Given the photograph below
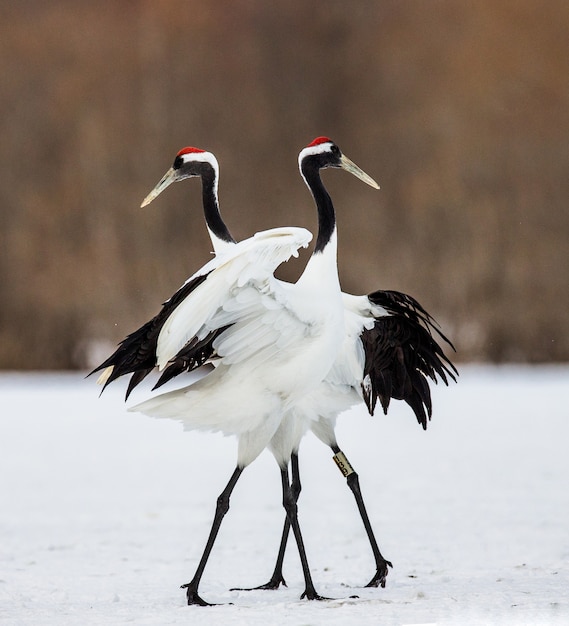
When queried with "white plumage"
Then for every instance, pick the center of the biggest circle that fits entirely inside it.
(240, 285)
(279, 342)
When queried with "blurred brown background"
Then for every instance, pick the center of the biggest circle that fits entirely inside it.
(459, 109)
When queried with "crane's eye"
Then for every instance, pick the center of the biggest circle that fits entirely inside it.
(335, 150)
(178, 162)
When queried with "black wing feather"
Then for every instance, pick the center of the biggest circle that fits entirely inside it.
(136, 353)
(190, 357)
(401, 354)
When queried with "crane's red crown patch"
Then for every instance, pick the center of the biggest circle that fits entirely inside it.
(189, 150)
(318, 141)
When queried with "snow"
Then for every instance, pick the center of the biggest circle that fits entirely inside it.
(105, 513)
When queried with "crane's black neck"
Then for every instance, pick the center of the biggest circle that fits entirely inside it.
(326, 214)
(212, 214)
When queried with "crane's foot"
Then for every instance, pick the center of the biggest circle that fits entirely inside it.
(193, 597)
(310, 594)
(379, 577)
(272, 585)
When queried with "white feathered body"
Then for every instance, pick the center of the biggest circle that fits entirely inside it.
(280, 342)
(342, 387)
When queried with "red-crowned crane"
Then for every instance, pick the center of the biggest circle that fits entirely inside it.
(273, 342)
(389, 351)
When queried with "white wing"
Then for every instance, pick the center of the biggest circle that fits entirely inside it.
(240, 287)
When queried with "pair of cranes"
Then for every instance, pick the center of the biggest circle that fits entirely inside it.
(288, 358)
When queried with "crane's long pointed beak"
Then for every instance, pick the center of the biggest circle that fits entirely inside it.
(351, 167)
(166, 180)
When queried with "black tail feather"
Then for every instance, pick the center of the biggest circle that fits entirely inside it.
(402, 354)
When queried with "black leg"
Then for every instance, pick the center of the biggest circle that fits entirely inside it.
(291, 493)
(295, 485)
(220, 511)
(352, 479)
(289, 503)
(277, 578)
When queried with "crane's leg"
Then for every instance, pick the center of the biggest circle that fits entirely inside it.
(381, 564)
(220, 511)
(277, 578)
(352, 479)
(289, 503)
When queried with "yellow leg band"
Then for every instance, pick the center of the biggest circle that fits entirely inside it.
(343, 464)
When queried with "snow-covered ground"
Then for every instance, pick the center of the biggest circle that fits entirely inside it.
(104, 513)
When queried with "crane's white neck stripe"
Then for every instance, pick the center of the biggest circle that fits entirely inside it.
(204, 157)
(313, 150)
(201, 157)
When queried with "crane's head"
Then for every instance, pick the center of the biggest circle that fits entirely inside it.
(323, 152)
(189, 162)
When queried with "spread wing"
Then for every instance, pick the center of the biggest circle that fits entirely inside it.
(240, 288)
(392, 350)
(181, 335)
